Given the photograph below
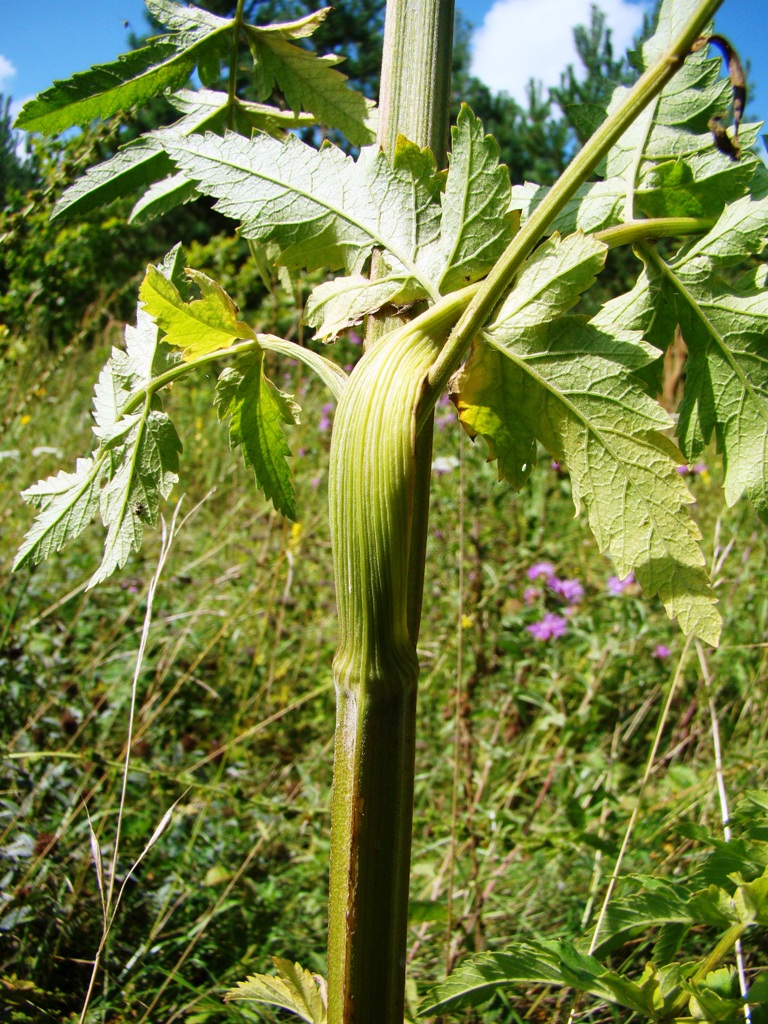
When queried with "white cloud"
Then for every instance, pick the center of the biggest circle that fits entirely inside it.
(7, 70)
(524, 39)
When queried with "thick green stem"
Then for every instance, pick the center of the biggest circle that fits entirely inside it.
(415, 101)
(372, 482)
(379, 502)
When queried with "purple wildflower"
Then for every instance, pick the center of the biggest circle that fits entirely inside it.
(538, 569)
(661, 651)
(327, 417)
(571, 591)
(548, 628)
(616, 587)
(531, 595)
(354, 339)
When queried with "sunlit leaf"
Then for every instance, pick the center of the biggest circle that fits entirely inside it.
(165, 63)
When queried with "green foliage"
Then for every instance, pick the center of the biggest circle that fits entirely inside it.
(197, 39)
(135, 466)
(663, 991)
(561, 385)
(256, 409)
(443, 249)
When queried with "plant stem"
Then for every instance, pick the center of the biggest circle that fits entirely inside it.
(372, 483)
(379, 500)
(232, 85)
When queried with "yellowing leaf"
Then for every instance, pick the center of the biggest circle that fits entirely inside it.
(200, 326)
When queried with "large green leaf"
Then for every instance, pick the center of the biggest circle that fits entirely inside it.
(546, 963)
(165, 63)
(570, 386)
(323, 209)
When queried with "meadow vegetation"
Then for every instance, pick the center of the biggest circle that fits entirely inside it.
(235, 719)
(571, 741)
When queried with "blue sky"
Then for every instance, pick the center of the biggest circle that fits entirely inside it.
(48, 39)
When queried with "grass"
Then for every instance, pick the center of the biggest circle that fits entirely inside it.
(530, 752)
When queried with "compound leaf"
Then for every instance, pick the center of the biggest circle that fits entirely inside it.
(135, 465)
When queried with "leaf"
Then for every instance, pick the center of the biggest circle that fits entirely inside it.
(322, 208)
(295, 990)
(143, 161)
(475, 226)
(145, 469)
(335, 306)
(547, 963)
(200, 326)
(126, 371)
(666, 163)
(550, 283)
(307, 81)
(136, 464)
(256, 410)
(570, 386)
(478, 977)
(67, 503)
(162, 197)
(165, 63)
(725, 329)
(136, 164)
